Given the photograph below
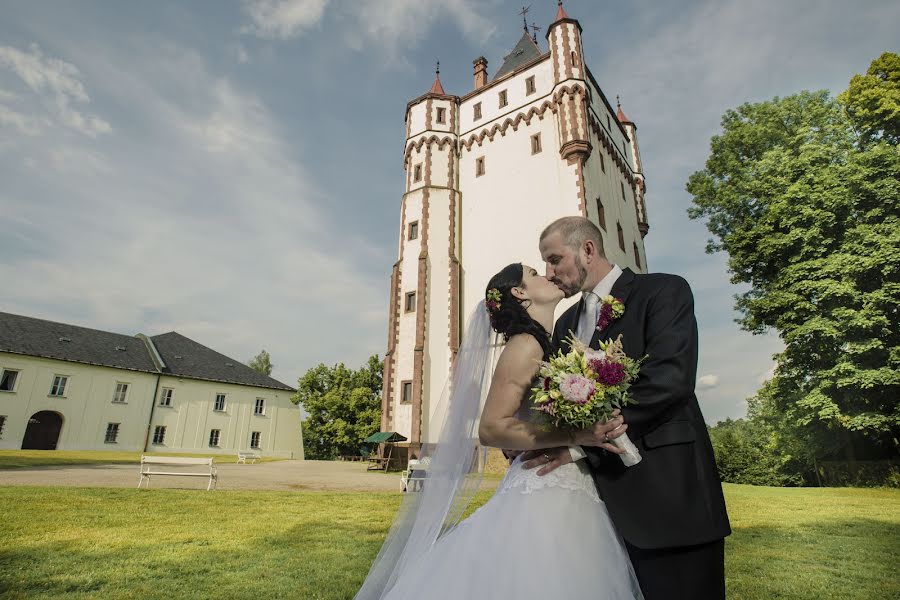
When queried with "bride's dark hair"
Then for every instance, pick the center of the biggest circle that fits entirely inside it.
(508, 316)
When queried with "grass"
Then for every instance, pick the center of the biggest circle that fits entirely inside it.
(26, 459)
(81, 543)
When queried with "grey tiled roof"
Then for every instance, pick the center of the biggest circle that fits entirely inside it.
(36, 337)
(525, 51)
(182, 356)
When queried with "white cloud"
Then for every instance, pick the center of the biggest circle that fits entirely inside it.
(401, 24)
(197, 217)
(58, 85)
(282, 19)
(391, 27)
(707, 382)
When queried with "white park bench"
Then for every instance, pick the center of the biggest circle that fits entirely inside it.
(413, 478)
(170, 466)
(245, 457)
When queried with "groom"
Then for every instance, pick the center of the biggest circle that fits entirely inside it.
(669, 507)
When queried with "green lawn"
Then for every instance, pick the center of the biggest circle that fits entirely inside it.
(25, 459)
(122, 543)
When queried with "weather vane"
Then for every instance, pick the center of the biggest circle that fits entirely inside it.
(535, 29)
(524, 12)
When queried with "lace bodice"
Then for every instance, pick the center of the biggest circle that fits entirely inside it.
(571, 476)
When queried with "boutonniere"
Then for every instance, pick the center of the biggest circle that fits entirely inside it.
(610, 310)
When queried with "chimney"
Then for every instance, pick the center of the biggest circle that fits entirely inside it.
(481, 77)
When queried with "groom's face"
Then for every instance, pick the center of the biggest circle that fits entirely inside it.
(563, 264)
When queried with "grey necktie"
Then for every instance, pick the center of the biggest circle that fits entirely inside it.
(587, 323)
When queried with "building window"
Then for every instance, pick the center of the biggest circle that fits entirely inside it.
(503, 99)
(59, 385)
(159, 435)
(601, 214)
(220, 402)
(637, 256)
(406, 392)
(573, 58)
(120, 393)
(214, 437)
(602, 162)
(254, 439)
(410, 301)
(413, 232)
(2, 424)
(112, 433)
(260, 408)
(621, 237)
(623, 191)
(529, 85)
(476, 111)
(441, 115)
(417, 173)
(536, 143)
(8, 380)
(479, 166)
(608, 123)
(165, 399)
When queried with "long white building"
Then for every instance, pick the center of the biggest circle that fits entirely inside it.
(485, 173)
(72, 388)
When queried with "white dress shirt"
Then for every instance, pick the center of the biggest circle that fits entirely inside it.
(587, 324)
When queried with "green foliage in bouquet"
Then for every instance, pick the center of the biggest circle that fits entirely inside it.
(579, 388)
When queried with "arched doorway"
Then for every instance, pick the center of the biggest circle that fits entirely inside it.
(43, 430)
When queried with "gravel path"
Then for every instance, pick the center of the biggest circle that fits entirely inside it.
(284, 475)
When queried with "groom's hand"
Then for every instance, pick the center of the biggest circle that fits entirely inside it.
(548, 459)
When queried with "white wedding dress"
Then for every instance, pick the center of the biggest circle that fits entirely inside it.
(537, 538)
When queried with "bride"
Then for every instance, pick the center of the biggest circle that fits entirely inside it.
(538, 537)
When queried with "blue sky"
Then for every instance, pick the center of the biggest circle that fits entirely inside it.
(233, 170)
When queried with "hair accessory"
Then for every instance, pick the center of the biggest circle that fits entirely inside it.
(492, 303)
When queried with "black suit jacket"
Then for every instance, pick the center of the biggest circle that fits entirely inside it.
(673, 497)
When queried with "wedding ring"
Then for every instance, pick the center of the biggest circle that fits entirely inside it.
(547, 456)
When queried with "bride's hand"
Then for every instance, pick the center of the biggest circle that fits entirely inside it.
(602, 432)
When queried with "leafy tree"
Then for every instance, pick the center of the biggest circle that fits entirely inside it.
(873, 100)
(808, 211)
(749, 452)
(262, 362)
(344, 408)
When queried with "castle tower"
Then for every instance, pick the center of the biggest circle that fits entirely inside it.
(485, 173)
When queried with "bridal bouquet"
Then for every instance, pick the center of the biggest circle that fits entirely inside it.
(584, 386)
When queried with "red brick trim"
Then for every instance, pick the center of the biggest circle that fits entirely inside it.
(422, 301)
(611, 149)
(428, 108)
(552, 38)
(578, 158)
(417, 145)
(567, 51)
(552, 105)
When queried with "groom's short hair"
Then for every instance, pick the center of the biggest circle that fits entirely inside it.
(575, 231)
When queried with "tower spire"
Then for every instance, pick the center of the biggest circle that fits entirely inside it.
(560, 11)
(436, 87)
(620, 114)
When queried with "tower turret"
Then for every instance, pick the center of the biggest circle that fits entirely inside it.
(426, 275)
(570, 90)
(640, 186)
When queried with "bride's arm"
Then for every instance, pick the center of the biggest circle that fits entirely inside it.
(519, 363)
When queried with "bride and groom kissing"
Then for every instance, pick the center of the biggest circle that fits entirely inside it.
(569, 519)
